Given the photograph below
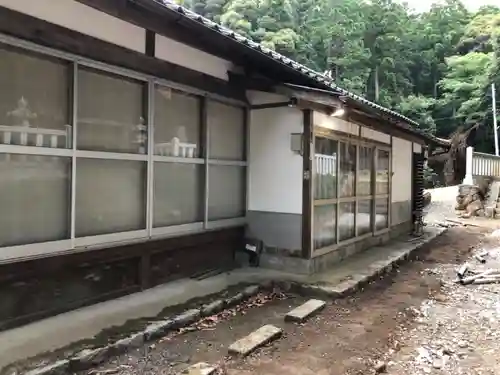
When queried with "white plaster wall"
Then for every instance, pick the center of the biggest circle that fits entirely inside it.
(417, 148)
(275, 172)
(258, 97)
(375, 135)
(401, 168)
(192, 58)
(84, 19)
(334, 123)
(401, 200)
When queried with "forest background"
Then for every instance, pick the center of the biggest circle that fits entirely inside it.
(435, 67)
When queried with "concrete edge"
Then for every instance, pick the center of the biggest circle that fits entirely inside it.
(88, 358)
(355, 284)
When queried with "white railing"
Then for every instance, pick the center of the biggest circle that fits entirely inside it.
(37, 136)
(480, 164)
(326, 164)
(176, 148)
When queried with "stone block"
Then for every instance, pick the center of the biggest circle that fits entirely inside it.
(201, 368)
(57, 368)
(304, 311)
(251, 290)
(187, 317)
(133, 341)
(212, 308)
(88, 358)
(234, 300)
(157, 330)
(256, 339)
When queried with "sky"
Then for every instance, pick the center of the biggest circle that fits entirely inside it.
(423, 5)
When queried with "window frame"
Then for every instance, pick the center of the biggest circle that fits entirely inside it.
(357, 141)
(18, 252)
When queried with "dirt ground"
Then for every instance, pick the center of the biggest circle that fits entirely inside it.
(348, 337)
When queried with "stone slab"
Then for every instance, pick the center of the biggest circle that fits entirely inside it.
(201, 368)
(493, 194)
(304, 311)
(256, 339)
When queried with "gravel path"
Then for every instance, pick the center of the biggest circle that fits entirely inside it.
(349, 336)
(442, 206)
(458, 331)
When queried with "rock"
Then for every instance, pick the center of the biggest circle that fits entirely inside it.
(473, 207)
(463, 344)
(380, 367)
(489, 212)
(437, 364)
(447, 351)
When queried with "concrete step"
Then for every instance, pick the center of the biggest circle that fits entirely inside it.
(304, 311)
(254, 340)
(201, 368)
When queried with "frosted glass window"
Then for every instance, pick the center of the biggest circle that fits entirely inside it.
(346, 221)
(226, 131)
(34, 199)
(364, 216)
(381, 213)
(382, 181)
(110, 196)
(325, 169)
(226, 197)
(34, 100)
(325, 226)
(178, 194)
(347, 170)
(111, 113)
(177, 124)
(365, 174)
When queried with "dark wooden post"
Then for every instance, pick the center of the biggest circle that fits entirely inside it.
(307, 198)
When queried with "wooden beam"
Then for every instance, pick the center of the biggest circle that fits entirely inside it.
(46, 34)
(309, 96)
(307, 191)
(375, 123)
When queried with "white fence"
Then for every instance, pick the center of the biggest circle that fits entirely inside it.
(480, 164)
(41, 137)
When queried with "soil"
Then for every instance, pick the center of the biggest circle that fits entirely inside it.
(348, 337)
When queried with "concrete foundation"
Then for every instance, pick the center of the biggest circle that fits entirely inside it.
(320, 263)
(280, 233)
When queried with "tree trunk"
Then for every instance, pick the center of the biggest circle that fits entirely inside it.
(376, 83)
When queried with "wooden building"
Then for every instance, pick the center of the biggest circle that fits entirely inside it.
(140, 143)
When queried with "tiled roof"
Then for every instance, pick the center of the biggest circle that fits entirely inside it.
(305, 71)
